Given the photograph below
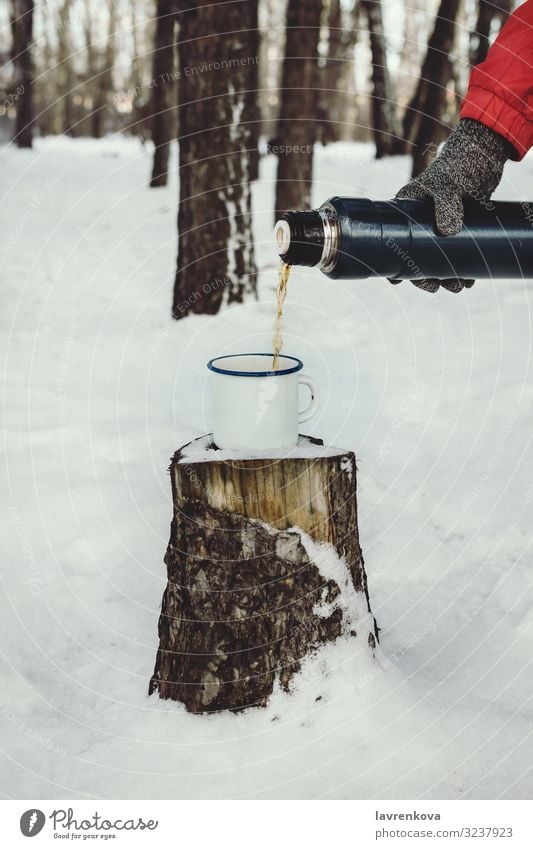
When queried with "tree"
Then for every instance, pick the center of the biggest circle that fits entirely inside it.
(336, 75)
(104, 77)
(299, 111)
(137, 60)
(271, 22)
(100, 65)
(44, 90)
(252, 105)
(330, 72)
(143, 38)
(489, 11)
(65, 76)
(423, 127)
(385, 127)
(415, 36)
(22, 29)
(163, 90)
(215, 245)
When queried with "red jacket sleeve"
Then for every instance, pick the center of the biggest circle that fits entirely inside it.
(500, 90)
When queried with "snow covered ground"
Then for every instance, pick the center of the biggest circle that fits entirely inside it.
(434, 393)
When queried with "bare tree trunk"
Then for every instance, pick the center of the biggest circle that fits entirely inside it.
(103, 79)
(91, 70)
(215, 244)
(163, 103)
(49, 121)
(252, 106)
(299, 112)
(272, 19)
(143, 38)
(136, 61)
(264, 566)
(65, 67)
(22, 28)
(423, 128)
(414, 42)
(488, 11)
(336, 74)
(330, 75)
(385, 126)
(415, 109)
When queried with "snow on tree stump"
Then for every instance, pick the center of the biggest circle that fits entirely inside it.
(264, 566)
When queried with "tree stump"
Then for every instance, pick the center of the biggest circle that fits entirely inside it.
(264, 566)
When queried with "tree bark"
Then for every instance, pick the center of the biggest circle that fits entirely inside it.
(414, 44)
(252, 106)
(335, 76)
(22, 24)
(163, 102)
(330, 75)
(65, 66)
(91, 65)
(299, 111)
(385, 127)
(215, 244)
(264, 566)
(423, 128)
(488, 11)
(102, 77)
(136, 60)
(271, 21)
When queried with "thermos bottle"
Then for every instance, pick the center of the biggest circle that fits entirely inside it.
(355, 238)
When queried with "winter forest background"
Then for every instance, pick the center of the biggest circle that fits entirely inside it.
(132, 133)
(271, 77)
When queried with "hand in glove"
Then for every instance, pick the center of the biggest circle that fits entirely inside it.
(470, 164)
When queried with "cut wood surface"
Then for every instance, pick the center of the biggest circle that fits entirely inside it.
(264, 566)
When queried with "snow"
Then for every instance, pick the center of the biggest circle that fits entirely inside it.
(202, 450)
(434, 395)
(334, 568)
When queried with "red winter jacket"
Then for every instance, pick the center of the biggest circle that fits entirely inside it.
(500, 89)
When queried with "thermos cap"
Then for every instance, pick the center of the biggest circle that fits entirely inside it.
(300, 237)
(282, 234)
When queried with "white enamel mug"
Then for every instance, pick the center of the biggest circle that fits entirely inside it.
(254, 407)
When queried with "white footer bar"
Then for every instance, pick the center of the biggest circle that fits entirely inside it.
(267, 824)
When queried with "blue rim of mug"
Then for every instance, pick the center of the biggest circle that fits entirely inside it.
(212, 367)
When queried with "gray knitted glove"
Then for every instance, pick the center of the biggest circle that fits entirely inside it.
(470, 163)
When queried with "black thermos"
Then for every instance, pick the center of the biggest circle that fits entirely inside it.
(354, 238)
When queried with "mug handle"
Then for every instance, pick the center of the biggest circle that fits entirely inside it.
(309, 411)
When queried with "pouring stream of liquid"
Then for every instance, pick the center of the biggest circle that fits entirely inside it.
(281, 294)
